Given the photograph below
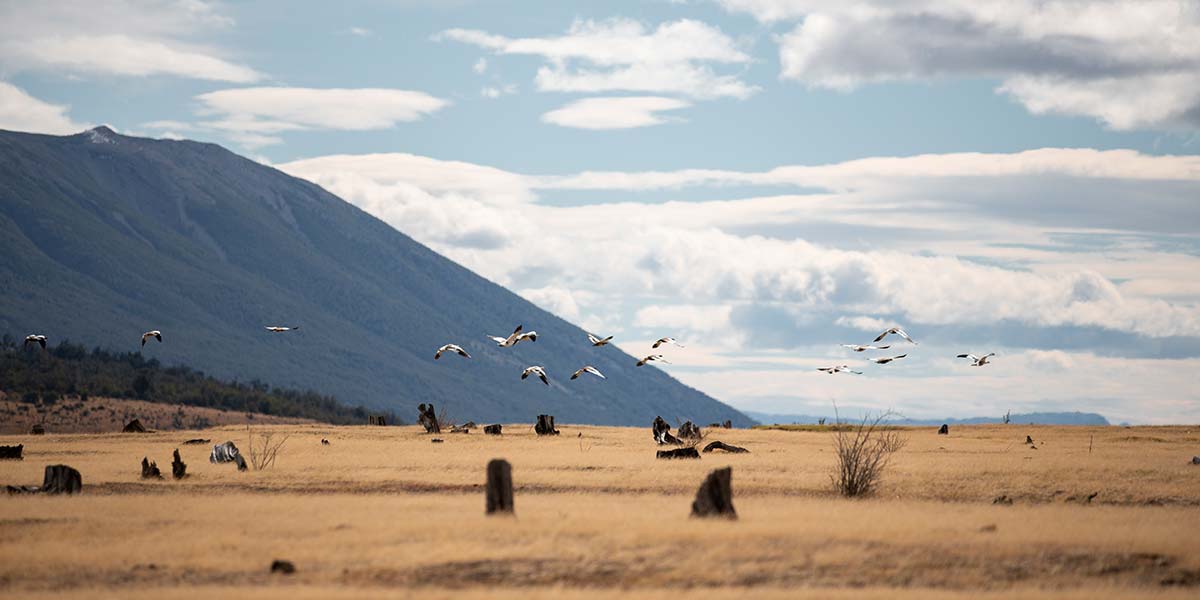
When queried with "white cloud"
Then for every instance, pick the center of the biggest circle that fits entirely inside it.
(21, 112)
(864, 323)
(623, 55)
(253, 116)
(497, 91)
(133, 39)
(480, 66)
(1129, 64)
(360, 31)
(614, 113)
(557, 300)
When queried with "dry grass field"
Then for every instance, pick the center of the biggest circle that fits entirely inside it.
(99, 415)
(383, 512)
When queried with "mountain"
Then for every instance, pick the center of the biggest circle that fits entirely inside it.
(105, 236)
(1035, 418)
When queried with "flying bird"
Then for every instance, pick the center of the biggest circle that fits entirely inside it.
(860, 348)
(666, 340)
(839, 369)
(451, 348)
(588, 369)
(977, 361)
(536, 370)
(514, 338)
(651, 358)
(897, 331)
(156, 334)
(280, 328)
(36, 339)
(887, 359)
(599, 341)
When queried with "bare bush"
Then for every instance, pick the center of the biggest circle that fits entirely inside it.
(263, 448)
(863, 452)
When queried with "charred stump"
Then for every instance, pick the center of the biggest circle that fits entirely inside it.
(492, 429)
(728, 424)
(499, 487)
(38, 429)
(545, 425)
(662, 433)
(283, 567)
(377, 420)
(944, 429)
(134, 426)
(688, 452)
(197, 441)
(1029, 440)
(12, 452)
(150, 469)
(715, 496)
(427, 417)
(719, 445)
(178, 467)
(689, 431)
(61, 479)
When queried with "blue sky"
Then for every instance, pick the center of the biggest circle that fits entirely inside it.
(766, 179)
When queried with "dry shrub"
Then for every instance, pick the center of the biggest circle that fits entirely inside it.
(263, 448)
(863, 452)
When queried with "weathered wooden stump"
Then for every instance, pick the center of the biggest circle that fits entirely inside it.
(719, 445)
(436, 441)
(178, 467)
(61, 479)
(715, 496)
(944, 429)
(662, 433)
(376, 420)
(197, 441)
(283, 567)
(134, 426)
(499, 487)
(545, 425)
(492, 429)
(688, 452)
(427, 417)
(227, 452)
(150, 469)
(689, 431)
(12, 452)
(1028, 439)
(324, 442)
(728, 424)
(38, 429)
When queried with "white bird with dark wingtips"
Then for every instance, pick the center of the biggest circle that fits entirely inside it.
(156, 334)
(536, 370)
(451, 348)
(666, 340)
(839, 369)
(977, 361)
(860, 347)
(599, 341)
(514, 338)
(897, 331)
(280, 328)
(653, 358)
(588, 369)
(887, 359)
(36, 339)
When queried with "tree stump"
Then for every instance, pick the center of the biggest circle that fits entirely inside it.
(284, 567)
(178, 467)
(662, 433)
(499, 487)
(12, 452)
(688, 452)
(150, 469)
(134, 426)
(728, 424)
(427, 417)
(715, 496)
(492, 429)
(944, 429)
(38, 429)
(1028, 439)
(377, 420)
(227, 452)
(197, 441)
(719, 445)
(61, 479)
(545, 425)
(689, 431)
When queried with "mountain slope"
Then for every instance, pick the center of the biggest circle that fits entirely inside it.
(105, 236)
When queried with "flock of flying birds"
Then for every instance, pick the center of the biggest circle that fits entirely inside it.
(518, 336)
(976, 361)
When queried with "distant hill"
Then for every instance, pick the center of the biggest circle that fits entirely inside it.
(1037, 418)
(105, 236)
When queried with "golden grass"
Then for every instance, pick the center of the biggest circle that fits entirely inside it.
(382, 510)
(103, 415)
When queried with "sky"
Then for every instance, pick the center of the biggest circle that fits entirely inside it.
(764, 180)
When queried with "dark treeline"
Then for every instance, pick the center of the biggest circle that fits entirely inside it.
(33, 375)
